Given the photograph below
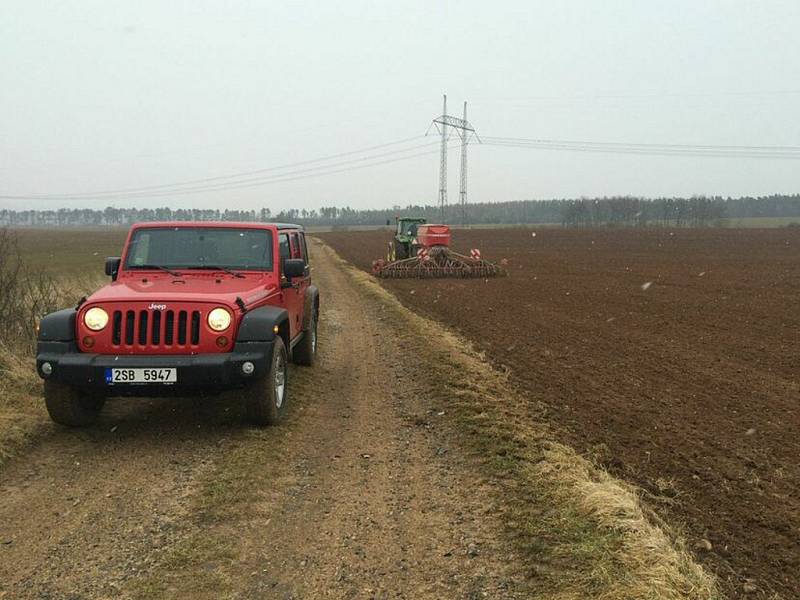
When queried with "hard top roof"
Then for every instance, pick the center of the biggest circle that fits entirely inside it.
(219, 224)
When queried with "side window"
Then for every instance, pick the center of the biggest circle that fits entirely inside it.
(297, 250)
(283, 248)
(305, 248)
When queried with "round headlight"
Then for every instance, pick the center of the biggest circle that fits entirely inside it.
(95, 318)
(219, 319)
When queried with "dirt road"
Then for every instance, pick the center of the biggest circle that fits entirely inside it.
(359, 495)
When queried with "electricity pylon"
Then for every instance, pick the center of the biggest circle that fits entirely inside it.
(465, 132)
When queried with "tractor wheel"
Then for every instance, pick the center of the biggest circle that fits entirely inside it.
(71, 406)
(400, 251)
(306, 351)
(266, 399)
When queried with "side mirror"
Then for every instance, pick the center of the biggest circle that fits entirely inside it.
(112, 266)
(294, 267)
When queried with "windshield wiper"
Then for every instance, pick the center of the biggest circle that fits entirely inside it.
(217, 268)
(156, 267)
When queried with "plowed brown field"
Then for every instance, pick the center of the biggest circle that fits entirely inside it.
(669, 356)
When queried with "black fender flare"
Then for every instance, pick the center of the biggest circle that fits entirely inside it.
(58, 326)
(258, 325)
(311, 306)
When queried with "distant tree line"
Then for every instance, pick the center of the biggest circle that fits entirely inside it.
(695, 212)
(627, 211)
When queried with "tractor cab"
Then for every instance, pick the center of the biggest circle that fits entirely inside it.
(404, 237)
(407, 227)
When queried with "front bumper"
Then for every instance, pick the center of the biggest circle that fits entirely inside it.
(195, 372)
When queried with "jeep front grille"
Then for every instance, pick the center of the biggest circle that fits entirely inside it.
(155, 328)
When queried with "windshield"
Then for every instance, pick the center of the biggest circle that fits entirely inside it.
(410, 228)
(200, 247)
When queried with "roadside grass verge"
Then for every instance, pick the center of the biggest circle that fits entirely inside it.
(582, 533)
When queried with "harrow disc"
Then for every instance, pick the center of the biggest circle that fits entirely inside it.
(437, 262)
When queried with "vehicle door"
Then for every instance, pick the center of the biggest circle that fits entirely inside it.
(300, 250)
(303, 249)
(292, 300)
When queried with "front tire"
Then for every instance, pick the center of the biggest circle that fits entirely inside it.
(71, 406)
(266, 399)
(305, 352)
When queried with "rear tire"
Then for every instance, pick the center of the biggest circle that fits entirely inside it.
(400, 251)
(71, 406)
(305, 352)
(266, 399)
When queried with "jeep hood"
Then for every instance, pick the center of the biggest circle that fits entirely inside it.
(203, 288)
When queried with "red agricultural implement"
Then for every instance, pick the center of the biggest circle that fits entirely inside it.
(423, 250)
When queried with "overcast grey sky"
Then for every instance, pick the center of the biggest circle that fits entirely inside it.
(101, 95)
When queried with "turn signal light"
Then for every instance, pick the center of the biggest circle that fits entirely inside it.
(222, 341)
(88, 341)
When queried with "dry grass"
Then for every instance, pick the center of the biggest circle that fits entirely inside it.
(26, 294)
(583, 533)
(22, 415)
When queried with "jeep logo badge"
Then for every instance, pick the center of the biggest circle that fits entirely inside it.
(155, 306)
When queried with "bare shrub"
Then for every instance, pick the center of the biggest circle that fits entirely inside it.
(27, 294)
(10, 267)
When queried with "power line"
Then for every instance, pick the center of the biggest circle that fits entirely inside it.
(98, 194)
(697, 150)
(333, 163)
(167, 189)
(640, 145)
(235, 186)
(255, 181)
(642, 96)
(654, 152)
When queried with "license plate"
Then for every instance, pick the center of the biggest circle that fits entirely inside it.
(141, 376)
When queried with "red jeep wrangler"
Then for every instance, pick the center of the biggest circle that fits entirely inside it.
(192, 307)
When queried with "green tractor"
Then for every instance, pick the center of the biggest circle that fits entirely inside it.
(404, 237)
